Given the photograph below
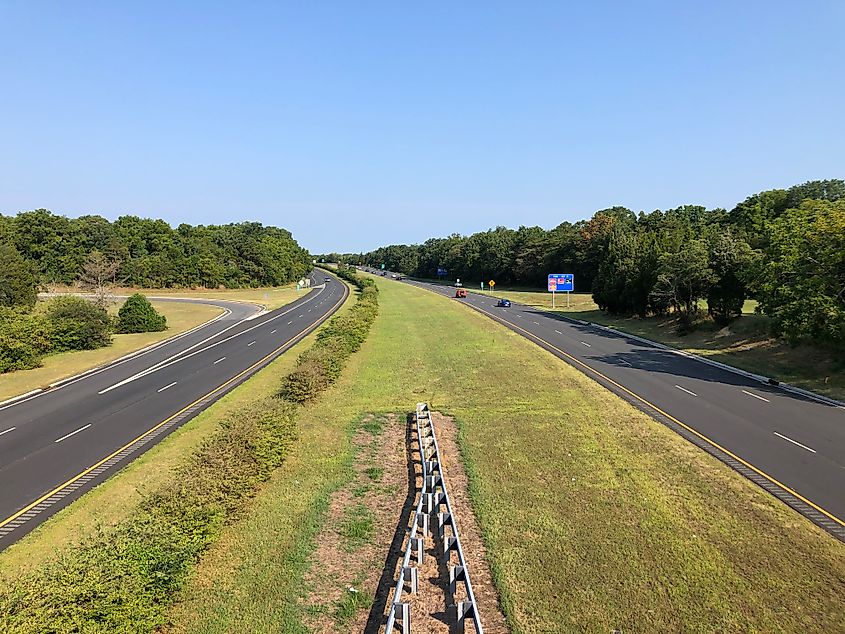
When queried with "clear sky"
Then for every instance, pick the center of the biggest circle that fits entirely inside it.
(357, 124)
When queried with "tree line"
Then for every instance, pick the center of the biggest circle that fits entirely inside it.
(783, 247)
(150, 253)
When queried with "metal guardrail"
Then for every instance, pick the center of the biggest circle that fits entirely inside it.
(432, 499)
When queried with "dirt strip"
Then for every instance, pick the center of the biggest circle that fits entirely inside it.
(457, 484)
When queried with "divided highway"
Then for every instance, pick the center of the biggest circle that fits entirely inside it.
(56, 444)
(791, 445)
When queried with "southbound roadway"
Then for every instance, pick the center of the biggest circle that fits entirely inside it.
(59, 442)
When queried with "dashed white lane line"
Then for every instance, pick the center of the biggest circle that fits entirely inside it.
(72, 433)
(536, 323)
(301, 316)
(755, 396)
(558, 332)
(167, 387)
(683, 389)
(584, 343)
(289, 323)
(272, 331)
(218, 360)
(250, 344)
(626, 362)
(795, 442)
(6, 431)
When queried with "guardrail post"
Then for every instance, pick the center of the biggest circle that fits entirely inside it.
(411, 575)
(419, 547)
(456, 573)
(422, 518)
(402, 613)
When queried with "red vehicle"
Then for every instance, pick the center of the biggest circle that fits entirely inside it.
(461, 292)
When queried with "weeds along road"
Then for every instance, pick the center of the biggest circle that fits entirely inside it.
(57, 444)
(792, 446)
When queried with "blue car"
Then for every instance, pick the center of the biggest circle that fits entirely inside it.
(504, 303)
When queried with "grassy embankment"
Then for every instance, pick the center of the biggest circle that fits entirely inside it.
(595, 516)
(744, 344)
(121, 577)
(180, 317)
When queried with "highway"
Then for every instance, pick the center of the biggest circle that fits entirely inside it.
(58, 443)
(791, 445)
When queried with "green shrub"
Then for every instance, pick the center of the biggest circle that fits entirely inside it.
(122, 579)
(321, 365)
(24, 338)
(78, 324)
(138, 315)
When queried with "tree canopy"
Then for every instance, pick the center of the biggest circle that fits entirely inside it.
(150, 253)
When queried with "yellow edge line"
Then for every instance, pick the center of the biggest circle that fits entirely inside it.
(669, 416)
(299, 335)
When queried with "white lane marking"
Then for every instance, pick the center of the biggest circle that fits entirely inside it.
(289, 323)
(628, 363)
(166, 387)
(178, 357)
(301, 316)
(586, 344)
(683, 389)
(6, 431)
(250, 344)
(72, 433)
(755, 396)
(536, 323)
(795, 442)
(272, 331)
(558, 332)
(218, 360)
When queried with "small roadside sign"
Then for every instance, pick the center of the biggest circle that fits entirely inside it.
(492, 283)
(561, 283)
(482, 286)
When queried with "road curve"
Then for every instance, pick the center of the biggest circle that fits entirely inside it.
(792, 446)
(59, 443)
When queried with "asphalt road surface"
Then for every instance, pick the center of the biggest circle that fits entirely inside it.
(56, 444)
(791, 445)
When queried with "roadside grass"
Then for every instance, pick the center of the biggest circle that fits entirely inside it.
(272, 296)
(744, 344)
(180, 317)
(595, 516)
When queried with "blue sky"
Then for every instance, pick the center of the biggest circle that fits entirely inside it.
(357, 124)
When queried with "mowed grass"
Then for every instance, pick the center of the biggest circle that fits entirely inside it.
(595, 516)
(181, 316)
(271, 297)
(112, 501)
(744, 344)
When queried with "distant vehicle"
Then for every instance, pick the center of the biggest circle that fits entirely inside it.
(328, 279)
(504, 303)
(394, 276)
(400, 277)
(461, 292)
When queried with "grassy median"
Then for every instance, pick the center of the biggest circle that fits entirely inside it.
(595, 516)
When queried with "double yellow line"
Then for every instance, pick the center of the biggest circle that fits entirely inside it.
(293, 340)
(651, 405)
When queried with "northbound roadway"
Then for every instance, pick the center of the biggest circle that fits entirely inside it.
(791, 445)
(58, 443)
